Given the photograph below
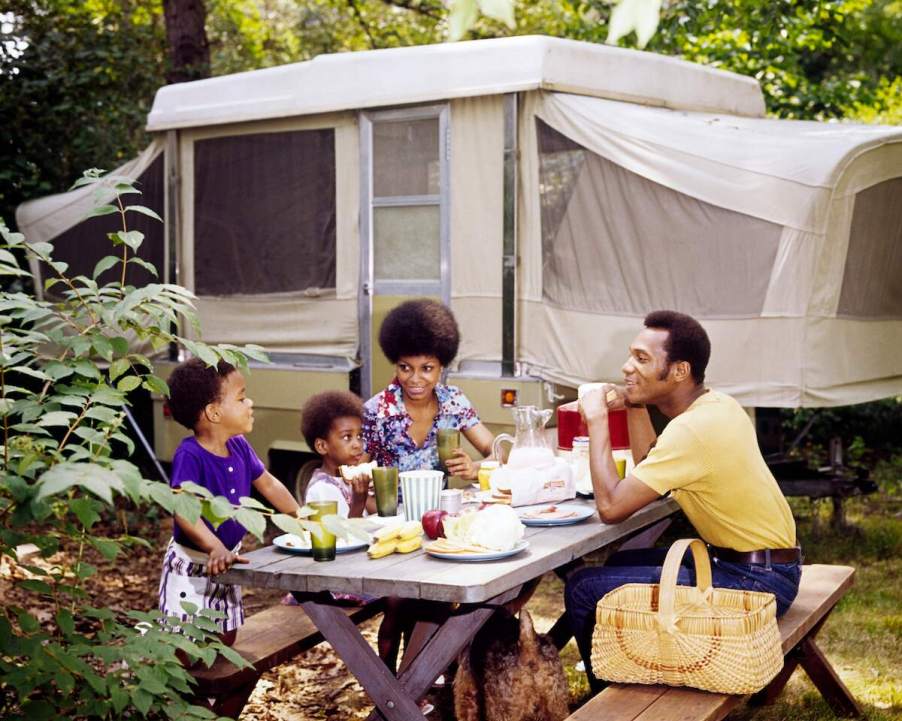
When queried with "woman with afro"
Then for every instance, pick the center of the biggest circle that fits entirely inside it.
(420, 337)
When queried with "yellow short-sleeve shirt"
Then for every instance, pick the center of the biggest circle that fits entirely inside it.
(708, 459)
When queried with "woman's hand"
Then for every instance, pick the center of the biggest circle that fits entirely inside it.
(220, 559)
(461, 465)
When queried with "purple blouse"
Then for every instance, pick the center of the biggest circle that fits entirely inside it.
(231, 477)
(386, 423)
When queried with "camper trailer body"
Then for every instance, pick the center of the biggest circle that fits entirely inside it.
(551, 192)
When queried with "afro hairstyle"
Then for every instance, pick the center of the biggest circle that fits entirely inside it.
(420, 327)
(321, 410)
(686, 340)
(192, 386)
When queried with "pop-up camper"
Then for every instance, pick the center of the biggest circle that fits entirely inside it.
(551, 191)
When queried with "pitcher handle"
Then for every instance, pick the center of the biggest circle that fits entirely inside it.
(496, 444)
(545, 414)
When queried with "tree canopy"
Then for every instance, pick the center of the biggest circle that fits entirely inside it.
(78, 76)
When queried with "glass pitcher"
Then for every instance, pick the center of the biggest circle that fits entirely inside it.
(530, 448)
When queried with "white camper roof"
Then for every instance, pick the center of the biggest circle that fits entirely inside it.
(425, 73)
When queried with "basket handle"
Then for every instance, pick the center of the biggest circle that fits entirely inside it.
(667, 586)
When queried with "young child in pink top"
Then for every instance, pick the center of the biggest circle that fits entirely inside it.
(331, 423)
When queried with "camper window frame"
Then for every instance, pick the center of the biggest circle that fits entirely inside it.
(369, 202)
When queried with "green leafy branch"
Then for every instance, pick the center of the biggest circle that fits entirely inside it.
(67, 365)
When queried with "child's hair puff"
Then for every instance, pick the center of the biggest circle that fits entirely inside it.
(321, 410)
(192, 386)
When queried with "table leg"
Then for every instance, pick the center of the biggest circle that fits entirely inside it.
(423, 631)
(445, 645)
(827, 681)
(448, 642)
(391, 698)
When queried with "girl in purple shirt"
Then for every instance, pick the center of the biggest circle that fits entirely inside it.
(213, 403)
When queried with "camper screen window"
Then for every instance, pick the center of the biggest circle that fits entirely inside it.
(264, 213)
(616, 242)
(870, 286)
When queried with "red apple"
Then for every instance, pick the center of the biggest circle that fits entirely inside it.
(432, 523)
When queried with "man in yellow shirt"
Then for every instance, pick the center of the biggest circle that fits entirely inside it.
(707, 459)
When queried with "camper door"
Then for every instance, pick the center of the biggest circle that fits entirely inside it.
(404, 222)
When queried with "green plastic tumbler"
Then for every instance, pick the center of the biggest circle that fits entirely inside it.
(323, 543)
(385, 482)
(448, 441)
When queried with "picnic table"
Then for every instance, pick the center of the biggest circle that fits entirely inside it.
(468, 594)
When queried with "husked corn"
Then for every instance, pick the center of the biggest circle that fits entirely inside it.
(383, 548)
(410, 544)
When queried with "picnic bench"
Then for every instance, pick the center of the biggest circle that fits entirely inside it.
(267, 639)
(821, 589)
(467, 595)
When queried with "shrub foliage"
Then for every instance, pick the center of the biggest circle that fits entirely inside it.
(67, 366)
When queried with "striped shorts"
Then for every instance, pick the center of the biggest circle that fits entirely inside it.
(185, 579)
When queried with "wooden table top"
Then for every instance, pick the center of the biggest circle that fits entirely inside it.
(418, 575)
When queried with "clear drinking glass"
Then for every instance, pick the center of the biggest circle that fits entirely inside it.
(385, 482)
(486, 469)
(323, 543)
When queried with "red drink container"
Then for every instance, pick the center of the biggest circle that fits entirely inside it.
(570, 424)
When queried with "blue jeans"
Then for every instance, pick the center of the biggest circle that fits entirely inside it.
(586, 586)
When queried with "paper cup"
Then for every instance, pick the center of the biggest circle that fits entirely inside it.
(421, 491)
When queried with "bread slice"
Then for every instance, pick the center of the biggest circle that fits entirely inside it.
(361, 469)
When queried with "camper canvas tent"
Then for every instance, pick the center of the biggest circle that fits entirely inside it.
(300, 197)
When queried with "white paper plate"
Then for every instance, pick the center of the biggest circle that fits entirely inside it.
(581, 514)
(487, 556)
(291, 543)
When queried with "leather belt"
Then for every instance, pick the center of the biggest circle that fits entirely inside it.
(765, 556)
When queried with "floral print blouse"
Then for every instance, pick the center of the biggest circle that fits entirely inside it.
(386, 424)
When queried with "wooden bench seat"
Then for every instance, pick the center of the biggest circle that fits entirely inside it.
(267, 639)
(821, 589)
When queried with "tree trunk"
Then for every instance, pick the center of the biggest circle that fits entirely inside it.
(186, 38)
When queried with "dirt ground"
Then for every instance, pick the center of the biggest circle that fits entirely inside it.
(315, 687)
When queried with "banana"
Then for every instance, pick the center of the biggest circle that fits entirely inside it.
(388, 533)
(383, 548)
(410, 544)
(404, 538)
(411, 529)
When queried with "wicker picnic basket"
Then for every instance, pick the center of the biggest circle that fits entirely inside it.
(715, 639)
